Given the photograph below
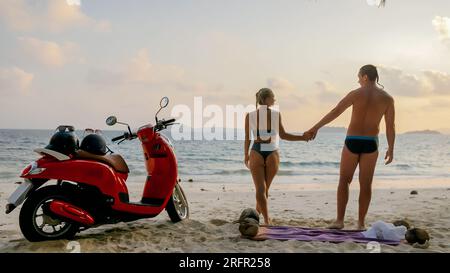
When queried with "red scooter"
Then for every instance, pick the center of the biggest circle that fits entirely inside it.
(90, 189)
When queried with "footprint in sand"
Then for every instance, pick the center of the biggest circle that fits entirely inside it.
(218, 222)
(202, 239)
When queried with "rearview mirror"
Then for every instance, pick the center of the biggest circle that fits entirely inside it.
(111, 120)
(164, 102)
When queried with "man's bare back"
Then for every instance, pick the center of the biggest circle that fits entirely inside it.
(370, 104)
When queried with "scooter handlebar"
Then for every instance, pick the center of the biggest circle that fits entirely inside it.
(161, 124)
(125, 135)
(168, 121)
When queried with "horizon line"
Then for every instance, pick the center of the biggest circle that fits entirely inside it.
(198, 128)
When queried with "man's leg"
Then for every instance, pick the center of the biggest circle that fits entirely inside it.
(367, 163)
(349, 161)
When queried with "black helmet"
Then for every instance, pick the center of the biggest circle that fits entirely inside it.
(94, 144)
(64, 140)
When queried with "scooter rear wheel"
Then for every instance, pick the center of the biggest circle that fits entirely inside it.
(177, 207)
(35, 222)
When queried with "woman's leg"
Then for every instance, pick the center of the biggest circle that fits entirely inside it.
(272, 162)
(367, 164)
(349, 161)
(257, 169)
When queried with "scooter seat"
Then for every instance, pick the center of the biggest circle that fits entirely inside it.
(116, 161)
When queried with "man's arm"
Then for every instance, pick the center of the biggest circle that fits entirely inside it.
(345, 103)
(389, 118)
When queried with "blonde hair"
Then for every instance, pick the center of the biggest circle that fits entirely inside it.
(262, 95)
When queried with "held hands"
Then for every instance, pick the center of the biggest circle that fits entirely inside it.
(307, 136)
(310, 134)
(389, 157)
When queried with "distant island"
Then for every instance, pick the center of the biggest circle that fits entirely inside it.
(327, 129)
(423, 132)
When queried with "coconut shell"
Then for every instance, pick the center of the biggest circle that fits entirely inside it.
(402, 223)
(422, 235)
(410, 236)
(422, 246)
(249, 227)
(249, 213)
(417, 235)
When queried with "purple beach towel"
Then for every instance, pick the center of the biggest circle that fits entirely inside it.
(314, 234)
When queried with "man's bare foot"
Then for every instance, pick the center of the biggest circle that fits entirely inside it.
(336, 225)
(268, 223)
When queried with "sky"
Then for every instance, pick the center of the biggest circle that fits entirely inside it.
(77, 62)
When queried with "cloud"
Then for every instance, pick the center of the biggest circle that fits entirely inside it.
(16, 14)
(49, 53)
(140, 70)
(14, 80)
(279, 83)
(439, 82)
(442, 26)
(398, 82)
(429, 82)
(105, 77)
(324, 86)
(55, 16)
(292, 102)
(327, 92)
(286, 94)
(224, 98)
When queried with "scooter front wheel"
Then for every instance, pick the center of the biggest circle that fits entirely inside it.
(177, 207)
(37, 224)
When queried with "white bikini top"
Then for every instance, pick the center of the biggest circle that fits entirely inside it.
(258, 125)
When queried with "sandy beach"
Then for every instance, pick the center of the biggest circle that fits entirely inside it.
(214, 207)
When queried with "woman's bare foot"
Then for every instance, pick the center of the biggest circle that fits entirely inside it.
(337, 225)
(268, 222)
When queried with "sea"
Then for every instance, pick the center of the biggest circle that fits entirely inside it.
(417, 156)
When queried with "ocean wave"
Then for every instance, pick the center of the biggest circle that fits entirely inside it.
(403, 166)
(16, 149)
(247, 172)
(205, 159)
(8, 175)
(311, 164)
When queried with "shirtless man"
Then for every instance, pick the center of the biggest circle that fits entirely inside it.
(370, 104)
